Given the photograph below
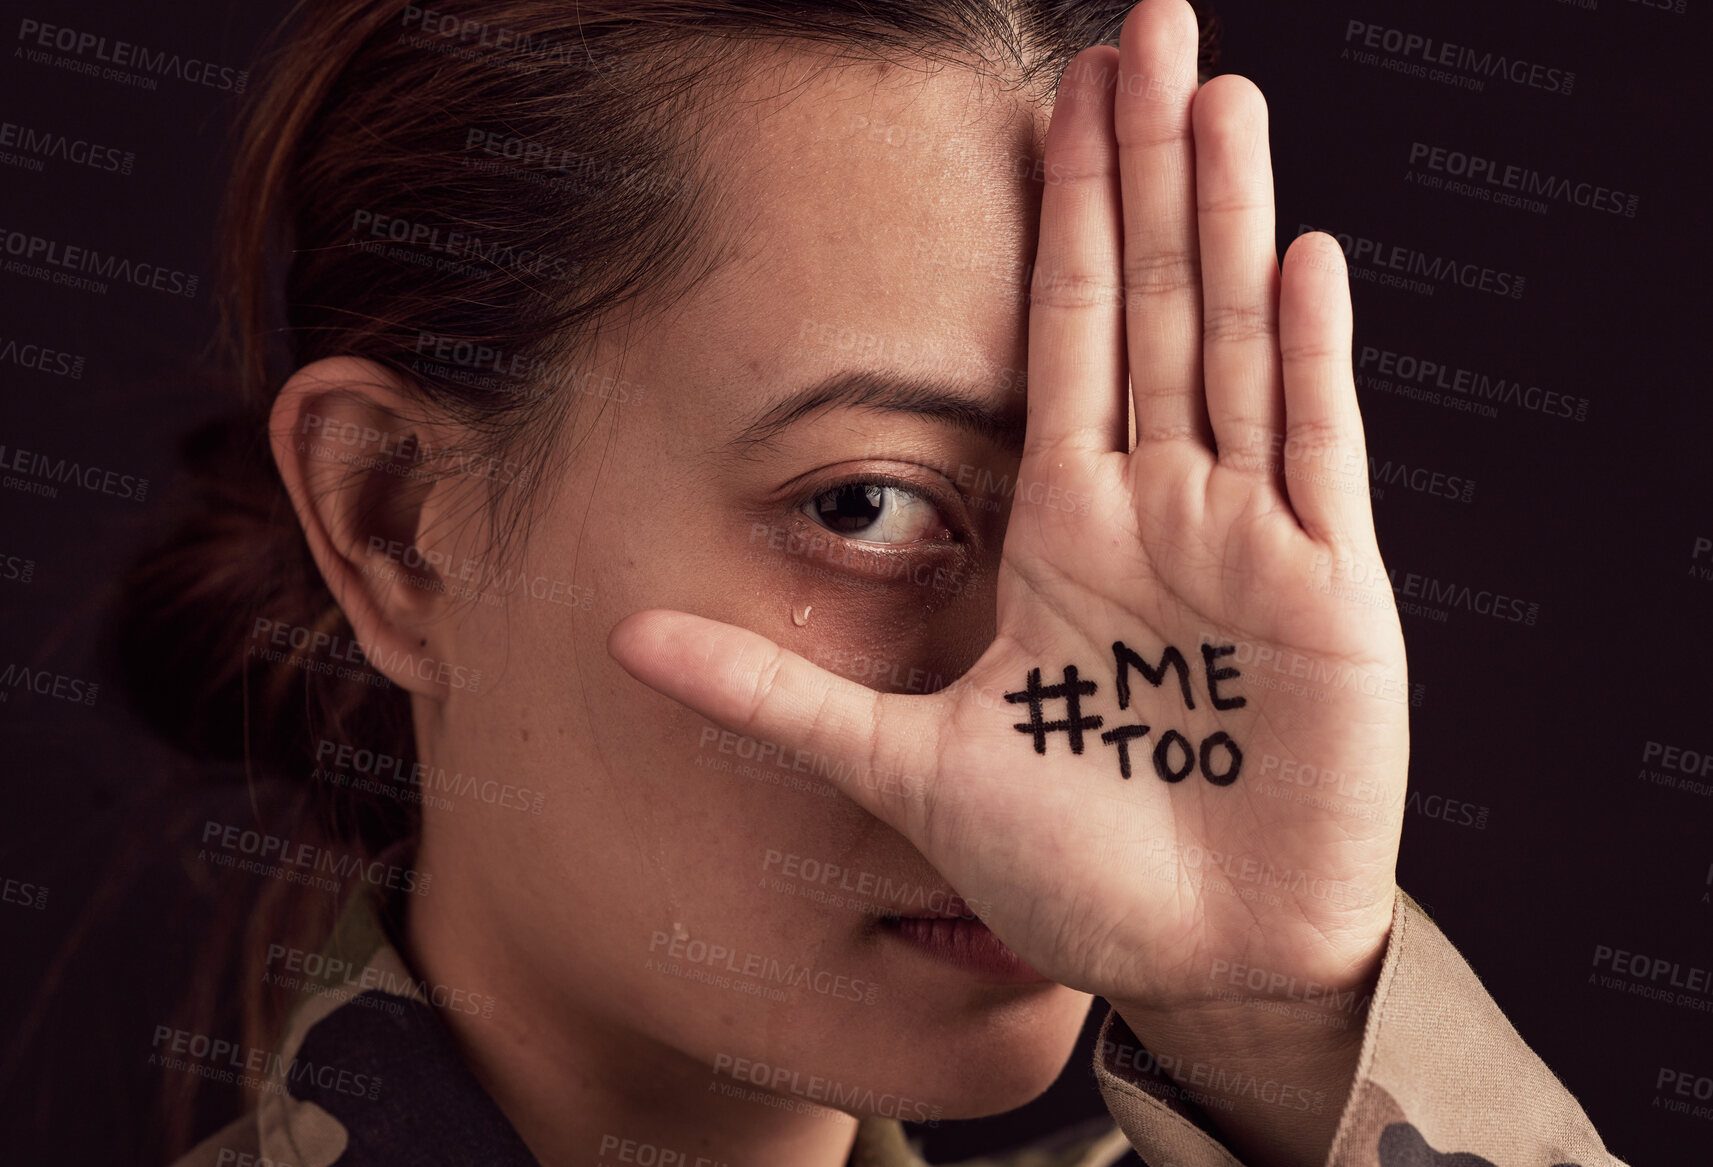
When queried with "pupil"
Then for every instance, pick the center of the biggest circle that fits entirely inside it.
(852, 507)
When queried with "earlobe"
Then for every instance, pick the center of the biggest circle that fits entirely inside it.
(350, 443)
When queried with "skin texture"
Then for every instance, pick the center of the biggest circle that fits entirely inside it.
(716, 600)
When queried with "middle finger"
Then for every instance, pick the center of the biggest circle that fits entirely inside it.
(1240, 275)
(1162, 267)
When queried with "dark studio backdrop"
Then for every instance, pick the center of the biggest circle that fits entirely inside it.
(1529, 259)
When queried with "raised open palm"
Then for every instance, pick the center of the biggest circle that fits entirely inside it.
(1103, 784)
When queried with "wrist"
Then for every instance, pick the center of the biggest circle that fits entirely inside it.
(1268, 1054)
(1315, 981)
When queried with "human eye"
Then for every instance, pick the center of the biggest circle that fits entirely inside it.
(877, 510)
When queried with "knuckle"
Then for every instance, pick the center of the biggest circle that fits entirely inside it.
(1248, 460)
(1167, 433)
(1239, 323)
(1152, 125)
(1072, 290)
(1149, 273)
(1216, 205)
(764, 687)
(1312, 352)
(1311, 439)
(1250, 445)
(1081, 169)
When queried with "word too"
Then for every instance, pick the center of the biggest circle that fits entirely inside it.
(1074, 688)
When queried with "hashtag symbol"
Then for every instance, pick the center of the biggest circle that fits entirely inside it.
(1072, 690)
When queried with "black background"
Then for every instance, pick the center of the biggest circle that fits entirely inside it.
(1542, 726)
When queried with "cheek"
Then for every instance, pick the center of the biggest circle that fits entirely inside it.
(638, 786)
(915, 634)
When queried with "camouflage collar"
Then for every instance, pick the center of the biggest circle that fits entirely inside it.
(368, 1075)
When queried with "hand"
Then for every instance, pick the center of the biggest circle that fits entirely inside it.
(1231, 533)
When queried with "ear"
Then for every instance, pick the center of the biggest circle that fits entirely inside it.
(387, 513)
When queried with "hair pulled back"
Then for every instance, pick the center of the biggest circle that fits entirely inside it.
(445, 191)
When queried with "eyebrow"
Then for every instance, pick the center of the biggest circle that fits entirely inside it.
(952, 403)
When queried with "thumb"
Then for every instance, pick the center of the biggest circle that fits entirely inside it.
(880, 750)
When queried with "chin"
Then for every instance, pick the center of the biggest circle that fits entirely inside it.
(999, 1060)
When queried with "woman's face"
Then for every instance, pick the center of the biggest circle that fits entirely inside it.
(679, 880)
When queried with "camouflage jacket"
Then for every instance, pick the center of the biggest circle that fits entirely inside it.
(367, 1076)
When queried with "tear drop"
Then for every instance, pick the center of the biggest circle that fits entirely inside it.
(801, 618)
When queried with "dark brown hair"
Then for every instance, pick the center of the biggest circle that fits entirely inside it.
(559, 145)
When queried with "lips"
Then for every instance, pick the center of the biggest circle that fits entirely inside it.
(963, 942)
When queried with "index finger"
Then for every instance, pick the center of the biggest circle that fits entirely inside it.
(880, 750)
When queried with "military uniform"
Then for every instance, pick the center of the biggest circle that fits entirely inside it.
(367, 1076)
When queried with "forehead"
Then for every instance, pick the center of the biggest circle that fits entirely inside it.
(874, 216)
